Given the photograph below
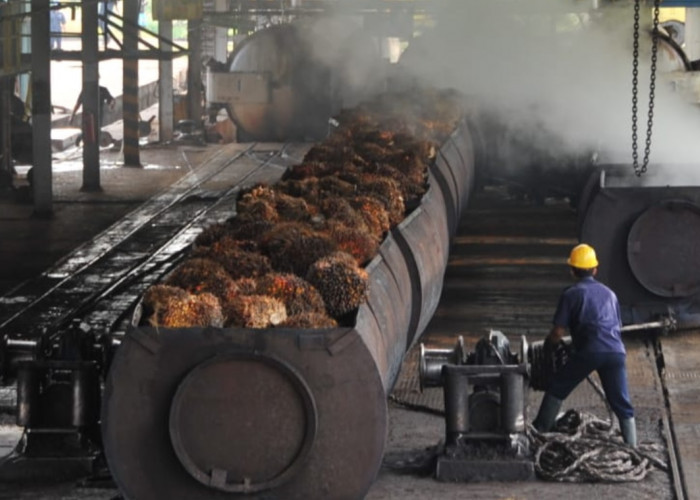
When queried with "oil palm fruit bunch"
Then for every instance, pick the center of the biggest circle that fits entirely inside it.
(308, 320)
(200, 275)
(172, 307)
(238, 262)
(297, 294)
(359, 243)
(294, 246)
(340, 281)
(255, 311)
(374, 213)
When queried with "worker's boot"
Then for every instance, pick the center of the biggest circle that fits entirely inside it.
(549, 409)
(629, 431)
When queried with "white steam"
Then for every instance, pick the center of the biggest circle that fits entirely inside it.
(557, 73)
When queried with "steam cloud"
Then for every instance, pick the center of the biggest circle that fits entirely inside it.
(559, 73)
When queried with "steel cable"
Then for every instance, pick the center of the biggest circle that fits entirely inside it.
(585, 448)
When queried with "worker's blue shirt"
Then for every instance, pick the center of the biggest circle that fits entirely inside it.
(591, 312)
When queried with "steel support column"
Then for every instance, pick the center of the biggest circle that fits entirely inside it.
(194, 70)
(130, 94)
(165, 84)
(221, 39)
(5, 147)
(41, 108)
(90, 95)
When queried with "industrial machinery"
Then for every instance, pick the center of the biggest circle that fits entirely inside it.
(220, 412)
(645, 231)
(190, 413)
(484, 409)
(274, 93)
(282, 413)
(485, 393)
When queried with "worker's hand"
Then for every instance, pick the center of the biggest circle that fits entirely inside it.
(549, 346)
(551, 342)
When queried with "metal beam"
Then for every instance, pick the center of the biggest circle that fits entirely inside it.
(130, 93)
(165, 86)
(194, 70)
(75, 55)
(90, 96)
(5, 145)
(41, 109)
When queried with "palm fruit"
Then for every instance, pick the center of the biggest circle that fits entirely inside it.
(255, 311)
(298, 295)
(237, 262)
(200, 275)
(374, 214)
(292, 208)
(257, 210)
(362, 245)
(340, 210)
(340, 281)
(293, 246)
(172, 307)
(309, 320)
(384, 189)
(243, 228)
(212, 234)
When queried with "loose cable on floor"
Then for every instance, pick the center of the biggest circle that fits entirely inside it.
(585, 448)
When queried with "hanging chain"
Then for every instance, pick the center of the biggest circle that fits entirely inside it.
(641, 169)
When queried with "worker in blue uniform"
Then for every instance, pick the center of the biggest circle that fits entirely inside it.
(591, 313)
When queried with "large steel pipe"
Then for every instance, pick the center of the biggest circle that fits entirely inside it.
(284, 82)
(647, 235)
(279, 413)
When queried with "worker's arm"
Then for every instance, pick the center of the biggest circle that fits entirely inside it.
(556, 334)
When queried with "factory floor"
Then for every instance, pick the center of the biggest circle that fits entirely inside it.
(32, 244)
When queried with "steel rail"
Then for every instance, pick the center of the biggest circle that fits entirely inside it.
(29, 294)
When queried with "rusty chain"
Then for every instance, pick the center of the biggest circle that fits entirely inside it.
(641, 169)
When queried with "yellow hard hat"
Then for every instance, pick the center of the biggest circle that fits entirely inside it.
(583, 257)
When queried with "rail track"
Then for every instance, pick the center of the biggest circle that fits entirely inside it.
(97, 285)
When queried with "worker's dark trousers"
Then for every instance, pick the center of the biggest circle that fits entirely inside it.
(611, 369)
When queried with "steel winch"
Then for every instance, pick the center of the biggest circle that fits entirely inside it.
(58, 400)
(485, 394)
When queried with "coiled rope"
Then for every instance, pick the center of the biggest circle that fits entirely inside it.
(585, 448)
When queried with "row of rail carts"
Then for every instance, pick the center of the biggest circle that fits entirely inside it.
(218, 407)
(127, 350)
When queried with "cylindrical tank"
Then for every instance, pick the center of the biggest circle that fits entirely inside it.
(312, 68)
(646, 232)
(279, 413)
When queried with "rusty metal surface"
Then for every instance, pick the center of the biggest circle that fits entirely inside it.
(663, 248)
(333, 413)
(645, 240)
(318, 436)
